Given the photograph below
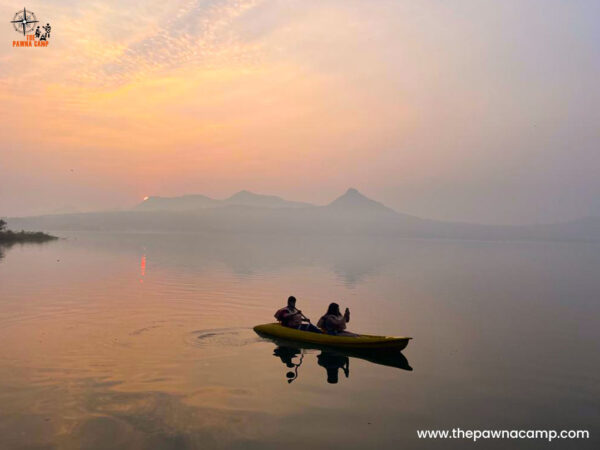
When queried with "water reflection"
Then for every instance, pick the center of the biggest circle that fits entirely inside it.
(287, 354)
(333, 363)
(292, 355)
(6, 246)
(92, 358)
(352, 260)
(142, 268)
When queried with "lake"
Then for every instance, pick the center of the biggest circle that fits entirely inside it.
(145, 341)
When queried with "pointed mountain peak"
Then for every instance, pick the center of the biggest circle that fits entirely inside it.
(351, 192)
(354, 201)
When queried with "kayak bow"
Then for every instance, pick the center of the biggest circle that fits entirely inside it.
(364, 341)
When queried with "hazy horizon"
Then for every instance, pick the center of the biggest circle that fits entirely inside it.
(474, 111)
(231, 201)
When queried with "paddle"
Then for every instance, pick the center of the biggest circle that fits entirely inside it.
(304, 317)
(291, 376)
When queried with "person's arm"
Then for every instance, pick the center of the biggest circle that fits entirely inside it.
(284, 315)
(321, 323)
(290, 316)
(302, 316)
(338, 322)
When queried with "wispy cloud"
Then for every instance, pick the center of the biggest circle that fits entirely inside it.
(109, 43)
(426, 102)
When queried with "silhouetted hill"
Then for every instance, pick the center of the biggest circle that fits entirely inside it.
(247, 198)
(354, 201)
(195, 202)
(350, 214)
(182, 203)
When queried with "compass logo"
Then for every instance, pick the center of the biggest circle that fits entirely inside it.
(36, 34)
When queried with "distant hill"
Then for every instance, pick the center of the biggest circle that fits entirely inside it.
(196, 202)
(182, 203)
(354, 202)
(246, 212)
(247, 198)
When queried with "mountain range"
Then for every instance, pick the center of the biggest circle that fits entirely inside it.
(195, 202)
(247, 212)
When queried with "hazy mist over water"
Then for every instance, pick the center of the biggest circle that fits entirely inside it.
(144, 341)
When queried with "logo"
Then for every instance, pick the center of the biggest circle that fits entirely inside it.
(36, 34)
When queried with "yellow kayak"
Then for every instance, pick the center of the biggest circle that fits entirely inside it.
(364, 341)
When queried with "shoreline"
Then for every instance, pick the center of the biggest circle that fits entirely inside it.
(15, 237)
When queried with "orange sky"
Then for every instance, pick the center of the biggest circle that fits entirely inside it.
(480, 111)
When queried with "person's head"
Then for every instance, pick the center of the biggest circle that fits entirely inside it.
(334, 309)
(292, 301)
(332, 375)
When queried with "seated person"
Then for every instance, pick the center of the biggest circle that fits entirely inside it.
(334, 323)
(293, 318)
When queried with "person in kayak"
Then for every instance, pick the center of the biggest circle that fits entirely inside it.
(334, 323)
(291, 317)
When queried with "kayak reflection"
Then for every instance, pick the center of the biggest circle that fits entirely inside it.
(292, 356)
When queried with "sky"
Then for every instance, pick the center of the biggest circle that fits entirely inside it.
(467, 110)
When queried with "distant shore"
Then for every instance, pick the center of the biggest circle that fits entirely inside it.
(13, 237)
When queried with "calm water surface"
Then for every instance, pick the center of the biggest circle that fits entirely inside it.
(122, 341)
